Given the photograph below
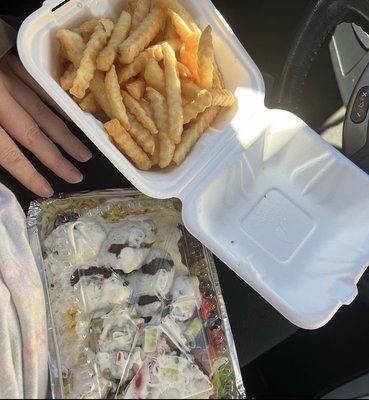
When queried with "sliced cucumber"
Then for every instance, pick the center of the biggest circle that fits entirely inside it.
(97, 324)
(150, 340)
(193, 329)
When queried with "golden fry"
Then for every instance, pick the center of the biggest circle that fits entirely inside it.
(136, 109)
(88, 104)
(87, 67)
(67, 79)
(193, 133)
(141, 37)
(141, 11)
(155, 157)
(97, 87)
(189, 89)
(184, 102)
(159, 99)
(223, 98)
(189, 54)
(141, 135)
(113, 94)
(146, 106)
(197, 106)
(87, 29)
(175, 44)
(180, 25)
(127, 72)
(218, 82)
(127, 145)
(184, 72)
(107, 57)
(170, 32)
(136, 89)
(174, 97)
(72, 46)
(206, 59)
(166, 145)
(154, 75)
(132, 5)
(180, 10)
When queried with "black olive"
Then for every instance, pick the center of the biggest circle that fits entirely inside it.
(116, 248)
(64, 218)
(146, 300)
(214, 323)
(92, 271)
(154, 266)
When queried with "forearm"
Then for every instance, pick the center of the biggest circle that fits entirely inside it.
(8, 37)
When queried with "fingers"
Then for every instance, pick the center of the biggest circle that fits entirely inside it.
(17, 68)
(50, 123)
(13, 160)
(21, 126)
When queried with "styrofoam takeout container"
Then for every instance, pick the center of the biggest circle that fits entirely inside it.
(282, 208)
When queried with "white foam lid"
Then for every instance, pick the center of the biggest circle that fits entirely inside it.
(282, 208)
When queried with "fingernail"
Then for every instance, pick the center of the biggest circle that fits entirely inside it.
(47, 190)
(75, 177)
(84, 154)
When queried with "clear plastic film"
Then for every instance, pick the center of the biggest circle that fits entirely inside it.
(135, 306)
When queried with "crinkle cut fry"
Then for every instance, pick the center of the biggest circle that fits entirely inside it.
(114, 96)
(193, 133)
(197, 106)
(166, 145)
(142, 36)
(180, 10)
(206, 59)
(136, 109)
(120, 32)
(87, 67)
(141, 11)
(127, 72)
(127, 145)
(174, 96)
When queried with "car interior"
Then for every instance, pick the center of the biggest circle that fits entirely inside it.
(314, 57)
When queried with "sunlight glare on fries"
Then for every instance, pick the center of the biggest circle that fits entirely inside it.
(206, 59)
(189, 54)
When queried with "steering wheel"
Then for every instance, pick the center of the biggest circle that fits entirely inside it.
(317, 28)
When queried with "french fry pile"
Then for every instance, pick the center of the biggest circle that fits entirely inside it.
(152, 75)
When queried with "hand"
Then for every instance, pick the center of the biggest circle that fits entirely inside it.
(26, 119)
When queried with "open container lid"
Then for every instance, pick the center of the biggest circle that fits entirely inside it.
(281, 207)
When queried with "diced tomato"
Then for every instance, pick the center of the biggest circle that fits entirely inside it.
(207, 307)
(138, 381)
(217, 337)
